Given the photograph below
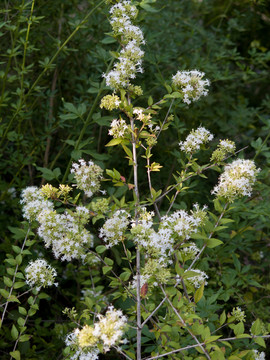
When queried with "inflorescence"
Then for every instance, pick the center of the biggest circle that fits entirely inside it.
(100, 337)
(237, 180)
(190, 84)
(39, 274)
(131, 37)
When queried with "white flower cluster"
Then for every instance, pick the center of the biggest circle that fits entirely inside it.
(40, 274)
(33, 203)
(195, 140)
(118, 128)
(178, 225)
(181, 224)
(258, 355)
(238, 314)
(224, 148)
(131, 37)
(110, 102)
(156, 244)
(114, 228)
(191, 85)
(65, 232)
(227, 145)
(107, 332)
(236, 180)
(197, 280)
(87, 176)
(189, 251)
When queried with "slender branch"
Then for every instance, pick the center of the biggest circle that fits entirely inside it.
(171, 204)
(122, 352)
(14, 279)
(182, 321)
(138, 255)
(18, 296)
(193, 174)
(125, 250)
(153, 312)
(248, 337)
(209, 237)
(25, 321)
(114, 274)
(150, 187)
(166, 117)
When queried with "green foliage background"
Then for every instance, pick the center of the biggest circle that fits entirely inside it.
(50, 116)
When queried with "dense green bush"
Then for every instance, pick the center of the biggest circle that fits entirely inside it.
(52, 59)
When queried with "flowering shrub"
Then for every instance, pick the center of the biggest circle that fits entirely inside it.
(158, 265)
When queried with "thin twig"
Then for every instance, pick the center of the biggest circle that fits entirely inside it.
(153, 312)
(14, 279)
(150, 187)
(183, 322)
(209, 237)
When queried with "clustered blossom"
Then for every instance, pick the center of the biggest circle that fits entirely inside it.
(65, 233)
(118, 128)
(87, 176)
(130, 58)
(238, 314)
(153, 273)
(189, 251)
(33, 203)
(195, 140)
(114, 228)
(40, 274)
(107, 332)
(225, 147)
(191, 85)
(197, 280)
(100, 206)
(181, 224)
(178, 226)
(110, 102)
(258, 355)
(52, 192)
(236, 180)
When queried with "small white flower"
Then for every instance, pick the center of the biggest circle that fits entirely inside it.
(195, 140)
(40, 274)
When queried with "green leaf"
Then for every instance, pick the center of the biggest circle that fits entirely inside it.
(24, 338)
(106, 269)
(239, 328)
(114, 142)
(101, 249)
(199, 293)
(13, 298)
(19, 284)
(148, 8)
(212, 338)
(14, 332)
(20, 321)
(4, 293)
(11, 261)
(22, 310)
(16, 249)
(18, 259)
(108, 261)
(222, 318)
(260, 341)
(8, 282)
(256, 327)
(15, 354)
(212, 243)
(218, 206)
